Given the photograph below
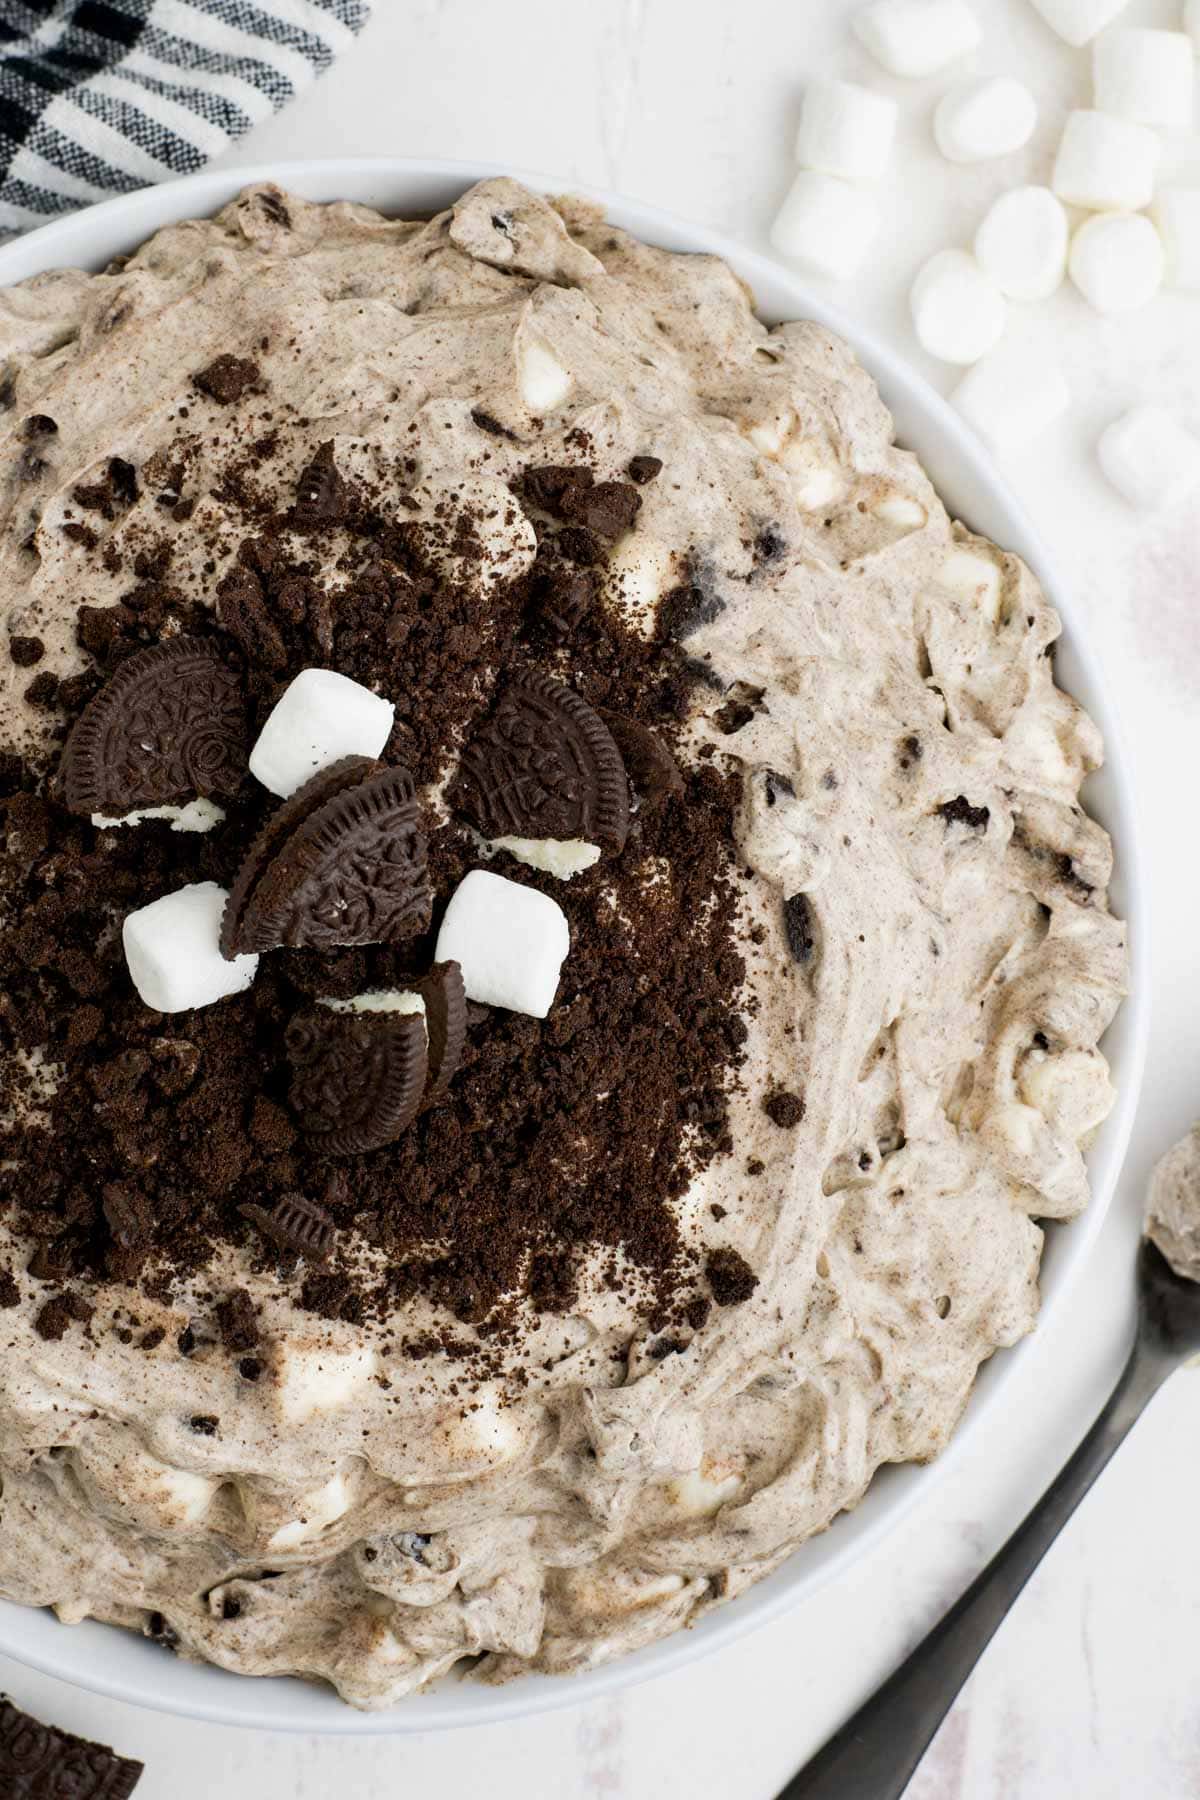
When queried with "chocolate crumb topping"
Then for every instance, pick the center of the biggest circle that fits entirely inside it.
(295, 1223)
(468, 1206)
(59, 1313)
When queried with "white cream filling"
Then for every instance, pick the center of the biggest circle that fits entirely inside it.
(564, 857)
(197, 815)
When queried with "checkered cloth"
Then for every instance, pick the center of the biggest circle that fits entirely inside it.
(100, 96)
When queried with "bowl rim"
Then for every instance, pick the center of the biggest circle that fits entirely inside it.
(97, 1658)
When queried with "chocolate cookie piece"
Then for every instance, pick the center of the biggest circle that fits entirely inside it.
(653, 772)
(644, 468)
(226, 378)
(40, 1762)
(338, 871)
(357, 1078)
(799, 927)
(959, 811)
(170, 724)
(243, 611)
(322, 786)
(570, 493)
(323, 496)
(297, 1224)
(446, 1024)
(544, 766)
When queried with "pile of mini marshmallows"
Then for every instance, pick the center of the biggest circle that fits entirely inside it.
(1131, 240)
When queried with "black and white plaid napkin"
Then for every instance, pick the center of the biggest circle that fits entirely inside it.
(100, 96)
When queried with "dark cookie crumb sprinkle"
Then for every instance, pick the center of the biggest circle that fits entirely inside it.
(783, 1108)
(730, 1277)
(189, 1118)
(26, 651)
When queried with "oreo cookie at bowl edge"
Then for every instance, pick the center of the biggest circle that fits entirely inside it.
(40, 1762)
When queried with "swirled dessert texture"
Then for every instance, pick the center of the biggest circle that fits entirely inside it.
(932, 963)
(1173, 1206)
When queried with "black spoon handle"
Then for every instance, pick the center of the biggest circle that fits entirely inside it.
(874, 1754)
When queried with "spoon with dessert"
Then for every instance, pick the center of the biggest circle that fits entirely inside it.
(875, 1753)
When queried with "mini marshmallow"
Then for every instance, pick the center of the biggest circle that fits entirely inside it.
(1012, 396)
(510, 942)
(1149, 458)
(1078, 21)
(173, 951)
(319, 1509)
(1022, 243)
(1117, 261)
(845, 130)
(1104, 164)
(979, 119)
(316, 1382)
(1146, 76)
(1176, 212)
(543, 381)
(958, 311)
(320, 717)
(917, 37)
(825, 225)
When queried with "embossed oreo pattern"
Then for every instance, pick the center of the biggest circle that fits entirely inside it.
(357, 1081)
(544, 766)
(39, 1762)
(352, 873)
(322, 786)
(170, 724)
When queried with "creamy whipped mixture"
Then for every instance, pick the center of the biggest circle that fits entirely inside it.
(907, 765)
(1173, 1208)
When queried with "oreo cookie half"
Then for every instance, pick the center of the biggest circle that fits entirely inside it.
(279, 827)
(544, 765)
(169, 725)
(357, 1080)
(39, 1761)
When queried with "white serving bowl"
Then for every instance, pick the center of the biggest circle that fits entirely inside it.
(118, 1663)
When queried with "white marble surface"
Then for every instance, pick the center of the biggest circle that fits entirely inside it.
(1091, 1685)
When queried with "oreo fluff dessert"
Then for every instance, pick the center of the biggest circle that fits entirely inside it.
(553, 961)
